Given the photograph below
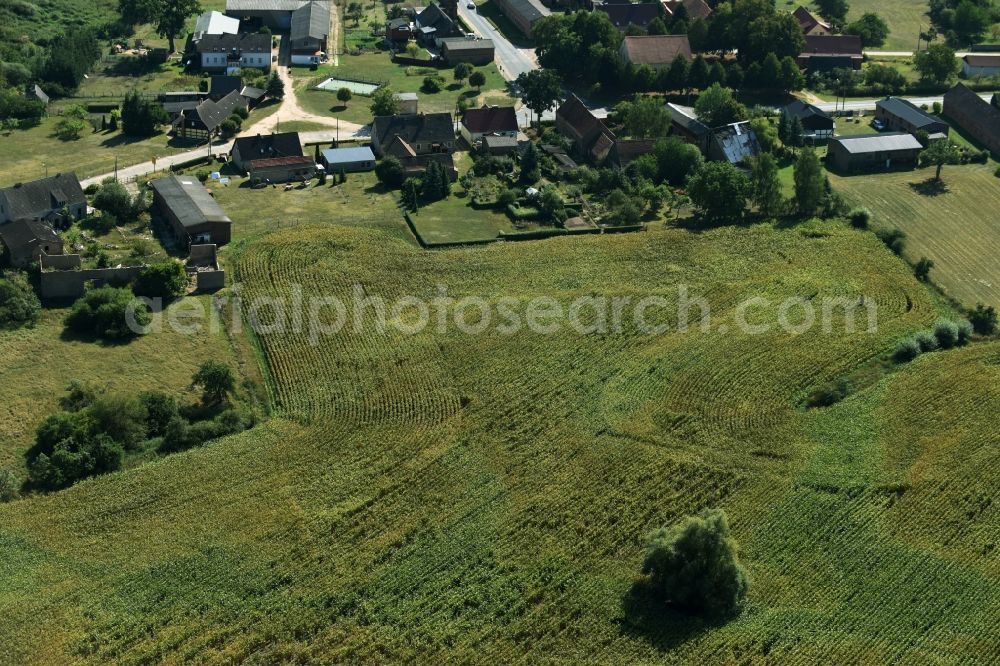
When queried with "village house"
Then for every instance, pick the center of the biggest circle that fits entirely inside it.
(473, 51)
(523, 13)
(685, 125)
(227, 53)
(816, 123)
(810, 23)
(264, 146)
(309, 32)
(335, 160)
(735, 143)
(220, 85)
(291, 169)
(488, 121)
(43, 199)
(900, 115)
(26, 240)
(193, 215)
(657, 51)
(399, 30)
(423, 133)
(873, 152)
(275, 14)
(980, 64)
(695, 10)
(624, 14)
(434, 25)
(825, 52)
(214, 23)
(205, 120)
(975, 115)
(588, 134)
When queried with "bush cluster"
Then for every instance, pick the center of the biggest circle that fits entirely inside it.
(945, 334)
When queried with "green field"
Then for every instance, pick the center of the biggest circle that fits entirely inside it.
(482, 498)
(906, 19)
(453, 220)
(956, 229)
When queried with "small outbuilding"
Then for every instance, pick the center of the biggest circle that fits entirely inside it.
(360, 158)
(194, 216)
(816, 123)
(980, 64)
(407, 101)
(25, 240)
(873, 152)
(495, 144)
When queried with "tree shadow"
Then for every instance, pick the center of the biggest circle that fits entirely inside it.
(648, 618)
(122, 139)
(454, 86)
(931, 187)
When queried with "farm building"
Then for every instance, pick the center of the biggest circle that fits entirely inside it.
(488, 120)
(657, 51)
(825, 52)
(980, 64)
(227, 53)
(473, 51)
(625, 151)
(270, 13)
(407, 102)
(589, 135)
(624, 14)
(687, 127)
(309, 32)
(43, 199)
(900, 115)
(975, 115)
(433, 25)
(25, 240)
(221, 85)
(816, 123)
(810, 23)
(399, 30)
(494, 144)
(175, 102)
(192, 213)
(264, 146)
(523, 13)
(423, 133)
(281, 169)
(696, 10)
(335, 160)
(875, 151)
(735, 143)
(214, 23)
(204, 120)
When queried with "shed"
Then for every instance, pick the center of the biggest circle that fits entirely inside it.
(191, 211)
(876, 151)
(902, 115)
(348, 159)
(27, 239)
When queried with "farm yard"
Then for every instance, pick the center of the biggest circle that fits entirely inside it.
(450, 496)
(957, 229)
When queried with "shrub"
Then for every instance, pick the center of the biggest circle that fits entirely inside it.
(8, 486)
(926, 341)
(965, 331)
(830, 394)
(160, 409)
(693, 565)
(906, 350)
(946, 333)
(120, 416)
(860, 218)
(166, 280)
(390, 172)
(19, 306)
(79, 395)
(922, 270)
(112, 198)
(431, 84)
(894, 239)
(983, 319)
(103, 312)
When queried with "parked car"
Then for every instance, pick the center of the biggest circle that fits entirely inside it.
(878, 124)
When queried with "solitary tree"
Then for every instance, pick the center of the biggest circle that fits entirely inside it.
(719, 190)
(983, 319)
(171, 16)
(939, 153)
(809, 183)
(477, 79)
(384, 102)
(275, 86)
(462, 71)
(344, 96)
(936, 63)
(540, 89)
(216, 381)
(693, 566)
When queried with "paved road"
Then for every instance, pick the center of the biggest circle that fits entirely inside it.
(904, 54)
(511, 60)
(869, 104)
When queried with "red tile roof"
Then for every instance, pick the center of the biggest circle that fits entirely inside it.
(656, 49)
(279, 161)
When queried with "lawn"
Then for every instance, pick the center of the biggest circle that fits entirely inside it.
(906, 19)
(39, 362)
(457, 497)
(114, 79)
(957, 229)
(453, 220)
(377, 67)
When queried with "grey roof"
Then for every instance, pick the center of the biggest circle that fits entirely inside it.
(434, 17)
(252, 93)
(189, 201)
(237, 6)
(405, 96)
(26, 232)
(39, 94)
(348, 155)
(311, 21)
(414, 128)
(499, 141)
(802, 110)
(261, 146)
(221, 85)
(39, 197)
(908, 111)
(463, 44)
(253, 42)
(211, 114)
(530, 10)
(737, 141)
(684, 116)
(215, 23)
(877, 143)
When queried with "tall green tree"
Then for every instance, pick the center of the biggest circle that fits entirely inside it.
(765, 186)
(644, 117)
(276, 87)
(215, 379)
(938, 154)
(719, 190)
(809, 182)
(717, 106)
(937, 63)
(540, 89)
(871, 28)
